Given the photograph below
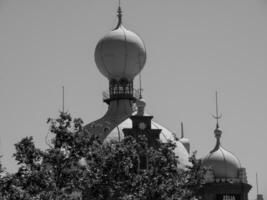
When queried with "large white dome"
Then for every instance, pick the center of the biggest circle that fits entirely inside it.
(100, 128)
(165, 135)
(110, 126)
(120, 54)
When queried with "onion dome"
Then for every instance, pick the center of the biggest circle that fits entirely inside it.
(120, 54)
(223, 163)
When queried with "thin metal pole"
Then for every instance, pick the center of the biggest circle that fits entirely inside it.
(63, 99)
(182, 130)
(218, 116)
(257, 184)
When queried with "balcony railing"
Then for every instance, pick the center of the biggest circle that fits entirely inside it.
(121, 95)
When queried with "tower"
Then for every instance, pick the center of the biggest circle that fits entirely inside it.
(225, 178)
(121, 55)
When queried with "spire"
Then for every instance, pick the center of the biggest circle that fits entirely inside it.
(217, 116)
(182, 130)
(217, 131)
(119, 14)
(257, 184)
(63, 99)
(140, 80)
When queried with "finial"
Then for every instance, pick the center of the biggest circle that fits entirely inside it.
(257, 184)
(217, 116)
(140, 77)
(140, 86)
(119, 14)
(63, 99)
(182, 130)
(140, 104)
(217, 131)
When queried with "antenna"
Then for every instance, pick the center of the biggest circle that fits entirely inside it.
(182, 130)
(217, 116)
(257, 184)
(63, 99)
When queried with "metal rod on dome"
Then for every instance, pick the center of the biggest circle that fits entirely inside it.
(140, 79)
(257, 184)
(63, 99)
(119, 16)
(140, 86)
(217, 117)
(182, 130)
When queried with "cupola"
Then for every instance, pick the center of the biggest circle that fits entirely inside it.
(225, 178)
(223, 165)
(120, 55)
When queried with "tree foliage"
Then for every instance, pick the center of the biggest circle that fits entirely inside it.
(76, 166)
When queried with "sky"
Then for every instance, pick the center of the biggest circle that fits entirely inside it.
(193, 49)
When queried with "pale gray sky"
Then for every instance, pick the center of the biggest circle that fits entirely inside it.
(194, 48)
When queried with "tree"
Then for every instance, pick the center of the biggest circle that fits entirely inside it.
(76, 166)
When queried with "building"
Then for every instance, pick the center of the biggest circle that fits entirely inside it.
(120, 56)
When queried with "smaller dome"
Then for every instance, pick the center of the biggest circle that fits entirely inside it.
(140, 103)
(120, 54)
(223, 163)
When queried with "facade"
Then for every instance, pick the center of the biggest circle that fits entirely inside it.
(120, 56)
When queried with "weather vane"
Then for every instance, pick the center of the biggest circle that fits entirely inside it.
(217, 117)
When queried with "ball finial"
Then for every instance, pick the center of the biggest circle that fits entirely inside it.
(140, 104)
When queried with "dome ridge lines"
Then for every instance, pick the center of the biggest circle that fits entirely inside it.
(234, 155)
(139, 52)
(102, 59)
(125, 50)
(224, 159)
(162, 132)
(154, 123)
